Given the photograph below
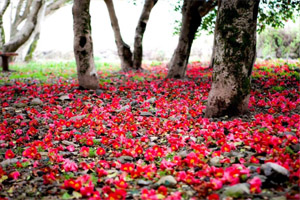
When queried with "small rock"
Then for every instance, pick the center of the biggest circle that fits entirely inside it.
(278, 198)
(289, 133)
(151, 100)
(215, 161)
(9, 108)
(275, 173)
(36, 101)
(134, 103)
(168, 181)
(146, 114)
(296, 147)
(152, 144)
(123, 108)
(237, 190)
(143, 182)
(125, 159)
(64, 98)
(183, 154)
(20, 105)
(252, 168)
(78, 117)
(68, 143)
(98, 92)
(8, 162)
(152, 139)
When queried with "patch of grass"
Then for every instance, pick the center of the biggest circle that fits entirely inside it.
(278, 88)
(49, 70)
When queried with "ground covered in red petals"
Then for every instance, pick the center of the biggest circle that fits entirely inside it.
(143, 137)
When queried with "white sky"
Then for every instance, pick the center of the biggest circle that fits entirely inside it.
(57, 29)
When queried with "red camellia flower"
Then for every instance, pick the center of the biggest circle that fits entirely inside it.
(9, 154)
(255, 185)
(84, 151)
(100, 151)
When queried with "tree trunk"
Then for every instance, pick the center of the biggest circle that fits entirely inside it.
(139, 33)
(2, 33)
(83, 45)
(191, 20)
(32, 47)
(21, 14)
(23, 35)
(124, 51)
(235, 53)
(192, 13)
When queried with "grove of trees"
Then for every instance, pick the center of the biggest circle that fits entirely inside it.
(234, 51)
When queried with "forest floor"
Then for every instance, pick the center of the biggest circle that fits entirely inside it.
(143, 137)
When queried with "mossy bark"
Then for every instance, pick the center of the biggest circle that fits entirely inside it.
(191, 20)
(235, 53)
(83, 45)
(32, 47)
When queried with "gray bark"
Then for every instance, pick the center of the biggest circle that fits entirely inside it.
(191, 20)
(32, 47)
(235, 53)
(83, 45)
(2, 33)
(21, 14)
(54, 6)
(124, 51)
(139, 33)
(192, 13)
(24, 34)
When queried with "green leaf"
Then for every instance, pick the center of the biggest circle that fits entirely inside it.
(76, 195)
(66, 196)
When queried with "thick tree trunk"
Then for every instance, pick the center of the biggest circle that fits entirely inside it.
(83, 45)
(191, 20)
(235, 53)
(124, 51)
(23, 35)
(139, 33)
(2, 33)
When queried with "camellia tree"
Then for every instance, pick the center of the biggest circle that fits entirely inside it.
(235, 53)
(25, 23)
(83, 45)
(270, 13)
(130, 61)
(192, 14)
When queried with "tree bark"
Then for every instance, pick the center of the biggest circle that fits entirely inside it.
(191, 20)
(83, 45)
(139, 33)
(54, 6)
(235, 53)
(23, 35)
(20, 16)
(32, 47)
(124, 51)
(2, 33)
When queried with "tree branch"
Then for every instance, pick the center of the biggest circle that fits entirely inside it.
(207, 7)
(52, 7)
(22, 36)
(6, 4)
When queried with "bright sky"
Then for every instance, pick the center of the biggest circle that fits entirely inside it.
(158, 36)
(57, 30)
